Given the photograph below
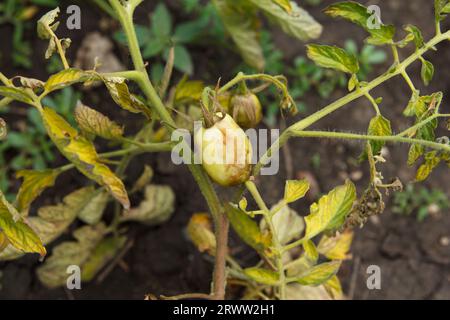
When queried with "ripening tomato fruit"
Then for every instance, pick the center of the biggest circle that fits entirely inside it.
(226, 151)
(246, 110)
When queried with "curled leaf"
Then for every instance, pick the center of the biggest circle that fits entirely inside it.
(262, 276)
(157, 206)
(319, 274)
(46, 23)
(95, 123)
(81, 152)
(34, 182)
(201, 234)
(336, 248)
(17, 231)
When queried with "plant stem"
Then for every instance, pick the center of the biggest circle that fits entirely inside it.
(125, 15)
(275, 241)
(59, 47)
(374, 103)
(417, 126)
(409, 81)
(352, 136)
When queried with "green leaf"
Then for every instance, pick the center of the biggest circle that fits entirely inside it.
(427, 71)
(359, 15)
(417, 34)
(33, 184)
(81, 152)
(331, 210)
(333, 57)
(295, 189)
(153, 47)
(319, 274)
(379, 126)
(47, 21)
(352, 82)
(17, 231)
(156, 208)
(161, 21)
(441, 9)
(53, 273)
(297, 23)
(241, 26)
(247, 229)
(262, 276)
(18, 94)
(95, 123)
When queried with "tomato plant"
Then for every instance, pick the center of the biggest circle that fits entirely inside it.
(296, 253)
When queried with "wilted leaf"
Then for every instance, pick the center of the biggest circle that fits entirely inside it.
(34, 182)
(189, 90)
(19, 233)
(30, 83)
(427, 71)
(247, 229)
(418, 38)
(120, 93)
(201, 234)
(18, 94)
(92, 212)
(432, 159)
(331, 210)
(295, 189)
(336, 248)
(242, 29)
(105, 251)
(287, 223)
(319, 274)
(295, 291)
(333, 57)
(66, 78)
(3, 129)
(262, 276)
(47, 21)
(81, 152)
(53, 273)
(378, 126)
(95, 123)
(359, 15)
(285, 4)
(52, 221)
(143, 180)
(157, 206)
(297, 23)
(334, 288)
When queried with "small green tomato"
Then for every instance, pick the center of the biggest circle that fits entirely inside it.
(246, 110)
(226, 151)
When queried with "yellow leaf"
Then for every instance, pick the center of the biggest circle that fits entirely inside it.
(18, 94)
(81, 152)
(93, 122)
(288, 224)
(189, 90)
(295, 189)
(33, 184)
(311, 251)
(120, 93)
(19, 233)
(156, 208)
(52, 221)
(247, 229)
(319, 274)
(331, 210)
(285, 4)
(200, 232)
(263, 276)
(336, 248)
(66, 78)
(92, 212)
(334, 288)
(53, 272)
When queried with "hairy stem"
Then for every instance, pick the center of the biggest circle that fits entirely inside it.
(275, 242)
(125, 15)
